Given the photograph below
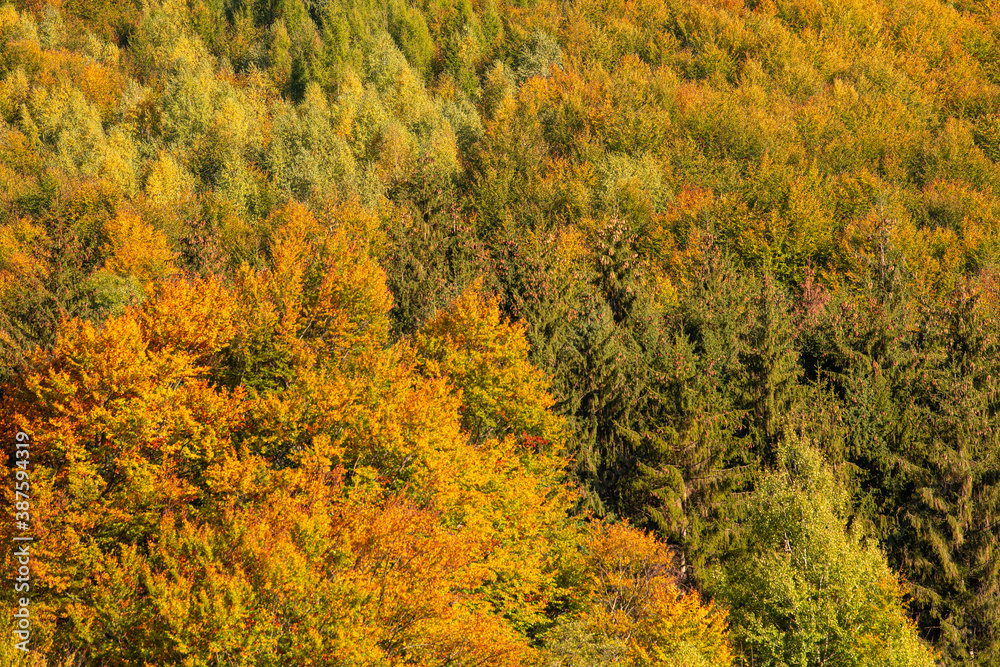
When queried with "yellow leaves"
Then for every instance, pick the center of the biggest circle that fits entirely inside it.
(235, 474)
(486, 358)
(124, 429)
(101, 85)
(635, 599)
(498, 488)
(625, 566)
(520, 513)
(20, 259)
(90, 363)
(677, 232)
(138, 249)
(442, 147)
(315, 574)
(681, 623)
(130, 390)
(169, 183)
(198, 600)
(118, 165)
(396, 429)
(195, 318)
(434, 551)
(9, 20)
(18, 152)
(201, 427)
(295, 229)
(956, 239)
(413, 580)
(362, 225)
(328, 291)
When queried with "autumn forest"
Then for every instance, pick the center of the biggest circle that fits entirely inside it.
(543, 333)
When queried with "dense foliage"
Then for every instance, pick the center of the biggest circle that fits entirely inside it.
(488, 332)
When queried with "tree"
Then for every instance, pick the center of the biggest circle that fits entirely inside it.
(125, 425)
(486, 359)
(403, 539)
(802, 589)
(690, 456)
(949, 442)
(635, 613)
(767, 384)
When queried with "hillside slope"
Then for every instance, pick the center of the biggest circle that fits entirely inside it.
(512, 274)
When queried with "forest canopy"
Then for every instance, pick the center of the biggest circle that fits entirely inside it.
(497, 332)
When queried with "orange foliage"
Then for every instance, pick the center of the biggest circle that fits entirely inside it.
(636, 600)
(138, 249)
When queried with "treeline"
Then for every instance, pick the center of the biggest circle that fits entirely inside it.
(566, 333)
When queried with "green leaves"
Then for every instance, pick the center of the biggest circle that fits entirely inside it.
(804, 590)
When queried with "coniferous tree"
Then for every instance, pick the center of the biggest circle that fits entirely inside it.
(948, 542)
(603, 394)
(688, 458)
(767, 384)
(435, 252)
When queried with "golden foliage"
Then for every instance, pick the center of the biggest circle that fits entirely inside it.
(137, 249)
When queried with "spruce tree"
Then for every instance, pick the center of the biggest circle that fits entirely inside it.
(435, 254)
(687, 458)
(767, 386)
(950, 442)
